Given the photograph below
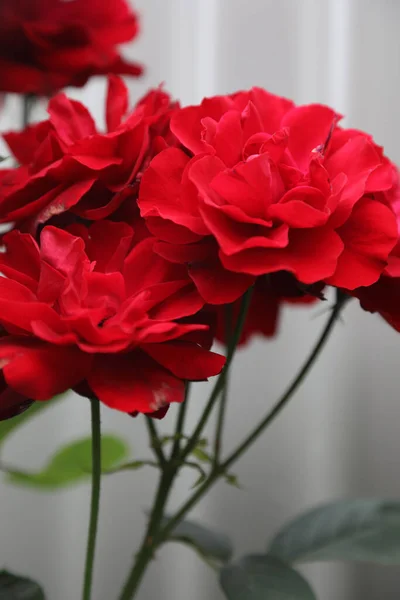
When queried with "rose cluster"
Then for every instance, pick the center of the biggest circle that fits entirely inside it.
(126, 246)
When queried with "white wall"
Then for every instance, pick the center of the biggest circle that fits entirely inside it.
(339, 437)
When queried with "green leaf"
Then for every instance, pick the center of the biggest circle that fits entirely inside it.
(13, 587)
(8, 426)
(72, 464)
(131, 466)
(201, 455)
(263, 577)
(349, 530)
(232, 480)
(208, 543)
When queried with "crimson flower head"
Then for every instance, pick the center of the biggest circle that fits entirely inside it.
(46, 45)
(101, 314)
(261, 186)
(67, 165)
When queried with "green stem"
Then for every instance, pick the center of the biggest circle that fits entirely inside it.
(219, 384)
(27, 103)
(224, 396)
(180, 423)
(95, 500)
(219, 470)
(170, 468)
(149, 542)
(155, 441)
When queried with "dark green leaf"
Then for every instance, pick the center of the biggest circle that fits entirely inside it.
(263, 577)
(13, 587)
(349, 530)
(73, 464)
(209, 543)
(8, 426)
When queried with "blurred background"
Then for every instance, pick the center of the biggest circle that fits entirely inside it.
(339, 437)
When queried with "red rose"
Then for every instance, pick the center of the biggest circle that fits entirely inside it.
(97, 314)
(263, 186)
(46, 45)
(67, 165)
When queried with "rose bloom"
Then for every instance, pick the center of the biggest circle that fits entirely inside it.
(100, 314)
(262, 186)
(66, 164)
(46, 45)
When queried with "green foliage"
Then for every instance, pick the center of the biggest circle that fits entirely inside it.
(263, 577)
(348, 530)
(72, 464)
(13, 587)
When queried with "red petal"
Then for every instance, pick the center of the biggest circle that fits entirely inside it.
(228, 141)
(70, 118)
(217, 285)
(309, 128)
(357, 159)
(21, 261)
(234, 236)
(40, 371)
(186, 360)
(24, 144)
(168, 231)
(144, 268)
(183, 303)
(187, 253)
(166, 192)
(366, 245)
(19, 308)
(62, 250)
(311, 255)
(301, 207)
(117, 102)
(271, 108)
(133, 382)
(109, 244)
(66, 199)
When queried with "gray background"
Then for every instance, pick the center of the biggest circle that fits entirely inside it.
(339, 437)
